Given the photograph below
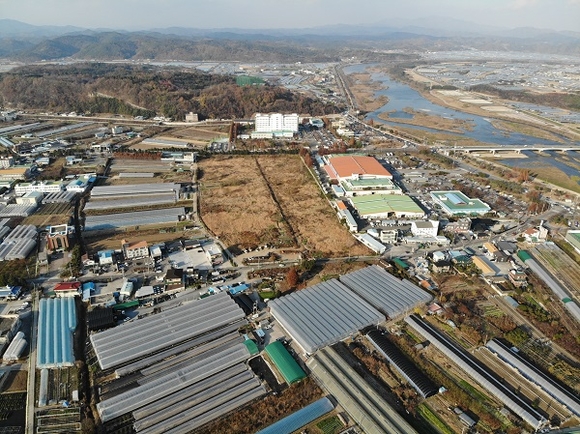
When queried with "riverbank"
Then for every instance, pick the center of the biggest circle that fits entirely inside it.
(363, 89)
(491, 107)
(422, 119)
(510, 126)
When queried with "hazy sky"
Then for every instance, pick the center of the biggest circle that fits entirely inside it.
(144, 14)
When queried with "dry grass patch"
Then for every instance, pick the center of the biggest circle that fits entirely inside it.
(248, 201)
(312, 219)
(236, 204)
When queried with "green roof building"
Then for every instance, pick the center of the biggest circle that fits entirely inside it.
(524, 255)
(573, 237)
(284, 362)
(251, 346)
(382, 206)
(455, 202)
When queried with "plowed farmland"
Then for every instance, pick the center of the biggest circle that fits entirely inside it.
(253, 200)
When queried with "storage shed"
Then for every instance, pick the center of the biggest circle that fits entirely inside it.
(284, 362)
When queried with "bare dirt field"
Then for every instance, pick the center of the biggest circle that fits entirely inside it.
(152, 236)
(248, 201)
(16, 381)
(203, 134)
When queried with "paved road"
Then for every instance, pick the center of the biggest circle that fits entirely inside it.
(31, 397)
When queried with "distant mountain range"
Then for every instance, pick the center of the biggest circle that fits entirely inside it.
(29, 43)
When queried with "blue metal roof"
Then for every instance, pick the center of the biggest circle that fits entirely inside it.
(300, 418)
(56, 324)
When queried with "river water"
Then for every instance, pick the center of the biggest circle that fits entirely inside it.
(402, 96)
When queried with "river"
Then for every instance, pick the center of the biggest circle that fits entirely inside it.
(402, 96)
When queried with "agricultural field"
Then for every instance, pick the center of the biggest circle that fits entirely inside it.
(254, 200)
(60, 420)
(50, 214)
(12, 410)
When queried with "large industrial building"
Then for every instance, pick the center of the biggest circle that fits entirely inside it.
(275, 125)
(334, 310)
(323, 314)
(455, 203)
(383, 206)
(390, 295)
(359, 175)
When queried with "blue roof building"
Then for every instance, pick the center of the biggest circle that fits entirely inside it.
(300, 418)
(57, 322)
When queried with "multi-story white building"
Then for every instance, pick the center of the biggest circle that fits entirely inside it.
(139, 249)
(275, 125)
(424, 228)
(389, 236)
(6, 162)
(40, 186)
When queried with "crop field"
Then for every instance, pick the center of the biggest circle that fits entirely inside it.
(50, 214)
(12, 409)
(59, 420)
(249, 201)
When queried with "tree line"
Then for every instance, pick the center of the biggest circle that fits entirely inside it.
(145, 90)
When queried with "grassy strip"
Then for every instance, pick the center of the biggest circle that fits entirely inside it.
(330, 425)
(472, 391)
(428, 415)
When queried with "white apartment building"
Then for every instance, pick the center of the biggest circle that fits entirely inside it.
(425, 228)
(275, 125)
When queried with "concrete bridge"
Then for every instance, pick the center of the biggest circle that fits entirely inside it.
(515, 148)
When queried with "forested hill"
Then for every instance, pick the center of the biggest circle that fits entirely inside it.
(128, 89)
(118, 46)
